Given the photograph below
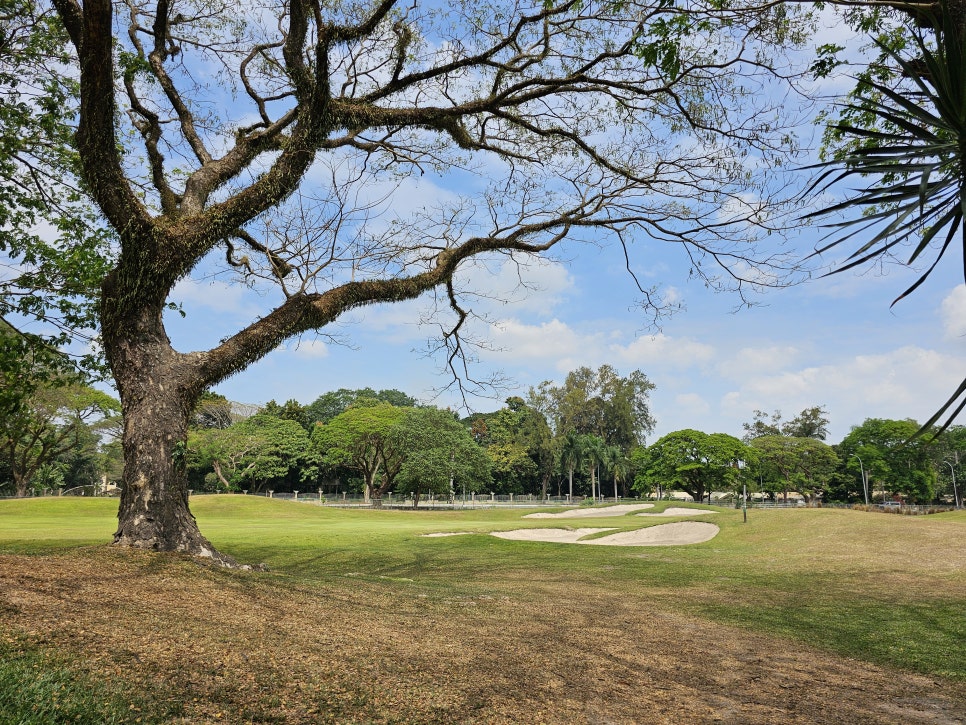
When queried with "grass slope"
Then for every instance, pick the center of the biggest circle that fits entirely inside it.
(361, 619)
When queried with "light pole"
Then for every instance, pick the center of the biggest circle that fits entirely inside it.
(865, 484)
(955, 490)
(740, 465)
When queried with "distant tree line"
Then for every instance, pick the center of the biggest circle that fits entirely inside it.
(585, 437)
(879, 461)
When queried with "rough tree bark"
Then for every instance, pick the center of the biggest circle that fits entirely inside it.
(157, 397)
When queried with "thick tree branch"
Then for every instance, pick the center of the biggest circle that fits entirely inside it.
(96, 137)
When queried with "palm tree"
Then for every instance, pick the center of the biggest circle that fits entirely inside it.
(571, 456)
(593, 456)
(909, 148)
(617, 465)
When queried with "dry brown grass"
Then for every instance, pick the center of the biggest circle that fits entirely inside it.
(208, 646)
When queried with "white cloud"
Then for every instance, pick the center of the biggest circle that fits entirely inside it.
(672, 295)
(215, 295)
(313, 349)
(537, 286)
(691, 405)
(662, 350)
(566, 348)
(759, 360)
(395, 321)
(548, 340)
(907, 382)
(953, 312)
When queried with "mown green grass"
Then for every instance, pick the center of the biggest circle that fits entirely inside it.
(38, 689)
(884, 588)
(47, 524)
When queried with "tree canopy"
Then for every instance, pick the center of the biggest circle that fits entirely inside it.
(598, 402)
(328, 405)
(440, 456)
(363, 439)
(897, 463)
(254, 454)
(794, 463)
(810, 423)
(695, 462)
(49, 232)
(48, 424)
(519, 443)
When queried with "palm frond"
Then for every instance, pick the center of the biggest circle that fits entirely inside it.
(911, 158)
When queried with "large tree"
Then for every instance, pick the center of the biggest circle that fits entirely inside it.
(363, 439)
(598, 402)
(896, 464)
(50, 424)
(260, 141)
(328, 405)
(519, 443)
(793, 463)
(695, 462)
(263, 451)
(810, 423)
(440, 455)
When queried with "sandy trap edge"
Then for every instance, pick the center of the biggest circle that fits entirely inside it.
(593, 512)
(677, 534)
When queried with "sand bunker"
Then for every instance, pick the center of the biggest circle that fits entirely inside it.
(618, 510)
(676, 534)
(678, 511)
(446, 533)
(557, 536)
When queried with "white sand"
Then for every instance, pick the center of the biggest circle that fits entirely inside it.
(678, 511)
(557, 536)
(446, 533)
(676, 534)
(581, 513)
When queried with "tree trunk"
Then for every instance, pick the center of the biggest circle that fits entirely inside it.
(157, 395)
(216, 465)
(20, 483)
(369, 485)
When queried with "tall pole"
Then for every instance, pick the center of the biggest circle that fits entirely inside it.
(955, 490)
(865, 483)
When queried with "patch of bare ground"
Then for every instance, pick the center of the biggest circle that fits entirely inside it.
(246, 647)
